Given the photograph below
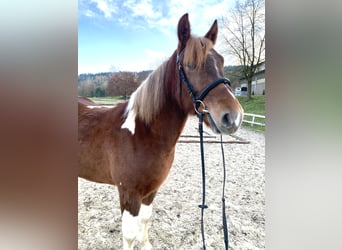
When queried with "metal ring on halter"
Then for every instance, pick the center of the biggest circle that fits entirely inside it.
(197, 104)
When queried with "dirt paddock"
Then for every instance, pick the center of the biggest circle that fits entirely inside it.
(176, 216)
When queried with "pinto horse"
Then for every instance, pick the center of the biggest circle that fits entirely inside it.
(132, 145)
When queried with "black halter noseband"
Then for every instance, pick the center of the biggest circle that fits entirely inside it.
(198, 100)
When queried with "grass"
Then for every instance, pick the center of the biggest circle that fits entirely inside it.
(254, 106)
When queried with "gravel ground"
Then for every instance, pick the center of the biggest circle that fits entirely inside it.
(176, 216)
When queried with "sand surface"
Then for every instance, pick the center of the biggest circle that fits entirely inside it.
(176, 216)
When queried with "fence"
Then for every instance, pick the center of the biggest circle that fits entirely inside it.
(252, 122)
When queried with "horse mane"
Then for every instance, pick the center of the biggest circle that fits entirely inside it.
(196, 51)
(150, 96)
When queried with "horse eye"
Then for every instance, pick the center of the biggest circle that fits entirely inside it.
(190, 66)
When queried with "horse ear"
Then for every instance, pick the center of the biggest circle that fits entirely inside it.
(212, 33)
(183, 31)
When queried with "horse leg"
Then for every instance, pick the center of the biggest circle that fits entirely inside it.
(145, 215)
(130, 229)
(130, 204)
(136, 227)
(136, 218)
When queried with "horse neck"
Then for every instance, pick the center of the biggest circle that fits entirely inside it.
(171, 119)
(168, 125)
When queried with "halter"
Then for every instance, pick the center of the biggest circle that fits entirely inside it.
(197, 100)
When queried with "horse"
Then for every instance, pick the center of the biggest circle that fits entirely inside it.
(132, 145)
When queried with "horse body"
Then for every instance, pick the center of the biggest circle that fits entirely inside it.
(113, 155)
(132, 145)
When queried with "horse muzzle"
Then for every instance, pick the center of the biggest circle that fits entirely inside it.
(228, 123)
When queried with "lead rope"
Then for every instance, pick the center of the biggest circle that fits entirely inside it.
(203, 205)
(224, 218)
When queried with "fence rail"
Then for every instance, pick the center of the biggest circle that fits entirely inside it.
(252, 122)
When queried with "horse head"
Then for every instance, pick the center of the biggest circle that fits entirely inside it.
(200, 68)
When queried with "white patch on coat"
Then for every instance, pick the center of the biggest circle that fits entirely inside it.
(130, 116)
(136, 227)
(130, 229)
(145, 215)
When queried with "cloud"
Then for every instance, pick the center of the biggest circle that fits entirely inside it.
(107, 7)
(89, 13)
(97, 8)
(154, 58)
(149, 60)
(201, 14)
(159, 15)
(142, 8)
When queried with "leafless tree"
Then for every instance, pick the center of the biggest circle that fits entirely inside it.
(122, 84)
(244, 35)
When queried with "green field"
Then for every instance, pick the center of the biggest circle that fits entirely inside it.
(254, 106)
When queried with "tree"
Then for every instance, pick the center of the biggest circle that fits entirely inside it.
(245, 36)
(86, 89)
(100, 91)
(122, 84)
(91, 85)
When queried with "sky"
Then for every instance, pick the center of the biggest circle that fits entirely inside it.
(136, 35)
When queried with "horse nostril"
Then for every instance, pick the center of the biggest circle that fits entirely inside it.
(226, 120)
(231, 119)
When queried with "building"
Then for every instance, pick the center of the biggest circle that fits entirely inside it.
(258, 82)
